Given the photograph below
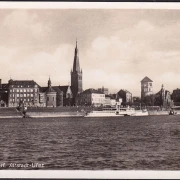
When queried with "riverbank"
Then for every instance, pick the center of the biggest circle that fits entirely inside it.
(60, 112)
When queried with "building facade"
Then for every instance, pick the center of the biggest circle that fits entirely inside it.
(91, 97)
(76, 76)
(50, 95)
(163, 98)
(125, 95)
(176, 96)
(67, 95)
(146, 87)
(3, 94)
(26, 91)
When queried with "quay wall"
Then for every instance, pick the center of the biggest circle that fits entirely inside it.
(54, 114)
(162, 112)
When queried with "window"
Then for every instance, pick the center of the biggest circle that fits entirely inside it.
(31, 95)
(17, 95)
(21, 90)
(24, 90)
(17, 90)
(24, 95)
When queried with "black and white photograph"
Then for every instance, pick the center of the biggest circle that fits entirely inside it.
(89, 88)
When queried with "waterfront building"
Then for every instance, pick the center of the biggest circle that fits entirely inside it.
(103, 90)
(76, 76)
(50, 95)
(125, 95)
(59, 96)
(91, 97)
(3, 95)
(26, 91)
(42, 98)
(107, 101)
(176, 96)
(163, 98)
(113, 102)
(146, 87)
(67, 95)
(115, 99)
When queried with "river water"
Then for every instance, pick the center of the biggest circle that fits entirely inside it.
(118, 143)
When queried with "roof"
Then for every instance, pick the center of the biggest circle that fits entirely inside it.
(124, 90)
(90, 91)
(50, 89)
(57, 89)
(63, 88)
(146, 79)
(23, 82)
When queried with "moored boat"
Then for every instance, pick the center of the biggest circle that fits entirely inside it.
(114, 112)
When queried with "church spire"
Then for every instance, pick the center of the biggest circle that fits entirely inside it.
(76, 66)
(49, 82)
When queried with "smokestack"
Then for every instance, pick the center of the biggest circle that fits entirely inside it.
(0, 84)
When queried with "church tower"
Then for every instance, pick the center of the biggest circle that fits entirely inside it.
(76, 75)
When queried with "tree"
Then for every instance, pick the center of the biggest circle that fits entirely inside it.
(148, 100)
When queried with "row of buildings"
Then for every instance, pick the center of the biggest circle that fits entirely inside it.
(162, 98)
(32, 94)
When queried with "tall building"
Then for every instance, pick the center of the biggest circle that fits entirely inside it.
(76, 75)
(146, 87)
(22, 91)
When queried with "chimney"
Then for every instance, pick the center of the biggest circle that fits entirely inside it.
(0, 84)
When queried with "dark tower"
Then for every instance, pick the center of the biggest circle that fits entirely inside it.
(76, 75)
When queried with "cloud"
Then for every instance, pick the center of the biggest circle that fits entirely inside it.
(21, 27)
(40, 65)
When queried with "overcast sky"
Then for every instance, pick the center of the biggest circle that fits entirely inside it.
(117, 48)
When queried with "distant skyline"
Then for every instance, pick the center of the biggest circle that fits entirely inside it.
(117, 48)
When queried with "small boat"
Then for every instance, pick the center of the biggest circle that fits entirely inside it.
(114, 112)
(172, 112)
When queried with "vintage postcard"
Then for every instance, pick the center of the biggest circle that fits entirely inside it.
(89, 90)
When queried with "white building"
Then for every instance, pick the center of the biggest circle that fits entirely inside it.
(91, 97)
